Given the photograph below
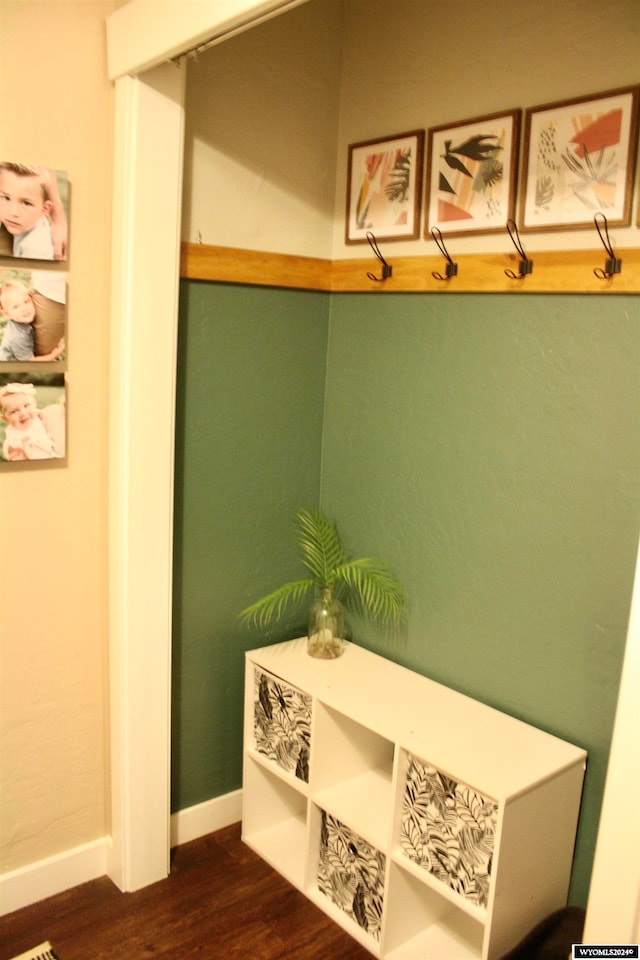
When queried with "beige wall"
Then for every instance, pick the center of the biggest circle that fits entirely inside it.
(56, 108)
(261, 132)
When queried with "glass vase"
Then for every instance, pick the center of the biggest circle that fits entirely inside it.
(325, 639)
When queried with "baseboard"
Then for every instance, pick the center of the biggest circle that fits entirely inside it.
(43, 879)
(37, 881)
(204, 818)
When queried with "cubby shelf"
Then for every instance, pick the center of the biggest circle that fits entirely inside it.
(363, 802)
(424, 839)
(274, 771)
(275, 821)
(440, 890)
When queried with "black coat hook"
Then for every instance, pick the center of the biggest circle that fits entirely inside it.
(451, 268)
(526, 265)
(613, 264)
(387, 269)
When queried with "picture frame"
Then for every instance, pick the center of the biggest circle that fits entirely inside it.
(471, 186)
(33, 315)
(32, 416)
(579, 159)
(384, 188)
(37, 230)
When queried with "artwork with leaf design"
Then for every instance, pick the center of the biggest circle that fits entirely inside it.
(351, 874)
(579, 160)
(282, 724)
(449, 829)
(471, 174)
(384, 188)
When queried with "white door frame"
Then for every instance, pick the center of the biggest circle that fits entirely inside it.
(146, 247)
(149, 134)
(146, 230)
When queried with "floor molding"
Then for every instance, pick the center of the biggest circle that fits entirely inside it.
(43, 879)
(37, 881)
(204, 818)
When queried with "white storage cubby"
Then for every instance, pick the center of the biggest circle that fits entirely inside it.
(275, 821)
(428, 825)
(421, 923)
(352, 774)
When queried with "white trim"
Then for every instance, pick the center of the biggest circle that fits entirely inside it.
(613, 909)
(146, 233)
(20, 888)
(204, 818)
(43, 879)
(144, 33)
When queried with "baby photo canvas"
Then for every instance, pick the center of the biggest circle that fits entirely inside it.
(33, 311)
(32, 417)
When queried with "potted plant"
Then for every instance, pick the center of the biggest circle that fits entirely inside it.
(334, 579)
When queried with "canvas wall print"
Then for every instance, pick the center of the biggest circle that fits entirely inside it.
(384, 188)
(34, 204)
(32, 417)
(282, 724)
(33, 312)
(351, 874)
(471, 174)
(579, 160)
(449, 830)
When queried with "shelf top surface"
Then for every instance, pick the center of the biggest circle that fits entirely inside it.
(486, 748)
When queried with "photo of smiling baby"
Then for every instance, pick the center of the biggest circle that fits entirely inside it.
(32, 315)
(32, 417)
(33, 212)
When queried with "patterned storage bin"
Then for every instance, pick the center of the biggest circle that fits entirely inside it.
(449, 829)
(282, 723)
(351, 874)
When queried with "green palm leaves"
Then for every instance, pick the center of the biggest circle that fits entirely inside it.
(322, 549)
(374, 591)
(363, 583)
(273, 606)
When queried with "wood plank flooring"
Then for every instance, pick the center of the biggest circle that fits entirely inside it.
(220, 902)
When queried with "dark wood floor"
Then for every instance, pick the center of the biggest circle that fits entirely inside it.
(220, 902)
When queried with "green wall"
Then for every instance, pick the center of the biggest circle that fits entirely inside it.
(251, 372)
(485, 446)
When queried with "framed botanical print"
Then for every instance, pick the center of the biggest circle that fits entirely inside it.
(384, 188)
(471, 174)
(579, 160)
